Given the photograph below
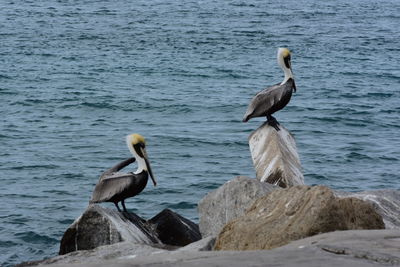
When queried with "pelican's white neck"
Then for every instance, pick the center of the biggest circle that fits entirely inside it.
(141, 165)
(288, 74)
(140, 161)
(281, 62)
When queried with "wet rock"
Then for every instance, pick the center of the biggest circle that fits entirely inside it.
(386, 203)
(294, 213)
(229, 202)
(98, 226)
(275, 156)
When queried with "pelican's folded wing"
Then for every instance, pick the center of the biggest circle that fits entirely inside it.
(111, 185)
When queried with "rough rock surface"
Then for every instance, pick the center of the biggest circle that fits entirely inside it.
(275, 156)
(385, 201)
(362, 248)
(99, 254)
(228, 202)
(98, 226)
(294, 213)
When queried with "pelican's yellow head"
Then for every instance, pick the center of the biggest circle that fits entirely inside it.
(283, 52)
(136, 139)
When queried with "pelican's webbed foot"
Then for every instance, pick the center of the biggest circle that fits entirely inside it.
(273, 122)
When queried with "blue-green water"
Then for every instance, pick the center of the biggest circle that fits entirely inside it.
(77, 76)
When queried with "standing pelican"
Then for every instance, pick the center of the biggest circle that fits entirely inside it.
(276, 97)
(116, 187)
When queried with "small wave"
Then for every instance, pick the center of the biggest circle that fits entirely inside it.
(388, 158)
(380, 95)
(102, 105)
(5, 77)
(59, 192)
(35, 238)
(66, 221)
(32, 167)
(181, 205)
(6, 244)
(356, 155)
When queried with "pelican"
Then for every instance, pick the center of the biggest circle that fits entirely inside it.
(276, 97)
(114, 186)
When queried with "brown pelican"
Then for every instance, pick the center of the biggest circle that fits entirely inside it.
(114, 186)
(276, 97)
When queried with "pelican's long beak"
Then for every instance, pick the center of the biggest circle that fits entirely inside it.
(146, 159)
(294, 86)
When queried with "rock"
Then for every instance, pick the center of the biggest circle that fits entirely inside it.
(294, 213)
(173, 229)
(98, 226)
(386, 203)
(229, 202)
(275, 157)
(361, 248)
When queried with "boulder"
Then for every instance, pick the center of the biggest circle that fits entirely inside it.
(275, 156)
(173, 229)
(229, 202)
(294, 213)
(385, 201)
(98, 226)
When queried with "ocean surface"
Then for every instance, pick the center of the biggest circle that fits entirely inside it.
(77, 76)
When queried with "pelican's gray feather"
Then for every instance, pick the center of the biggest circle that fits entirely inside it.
(270, 100)
(111, 185)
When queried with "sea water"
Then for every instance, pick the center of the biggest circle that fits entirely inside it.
(77, 76)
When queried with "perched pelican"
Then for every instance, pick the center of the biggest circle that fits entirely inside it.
(114, 186)
(276, 97)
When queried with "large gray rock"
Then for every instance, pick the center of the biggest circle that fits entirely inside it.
(98, 226)
(294, 213)
(385, 201)
(228, 202)
(341, 248)
(275, 156)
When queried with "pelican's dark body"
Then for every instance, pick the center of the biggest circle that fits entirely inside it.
(270, 100)
(116, 187)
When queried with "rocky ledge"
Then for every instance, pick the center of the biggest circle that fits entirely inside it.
(341, 248)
